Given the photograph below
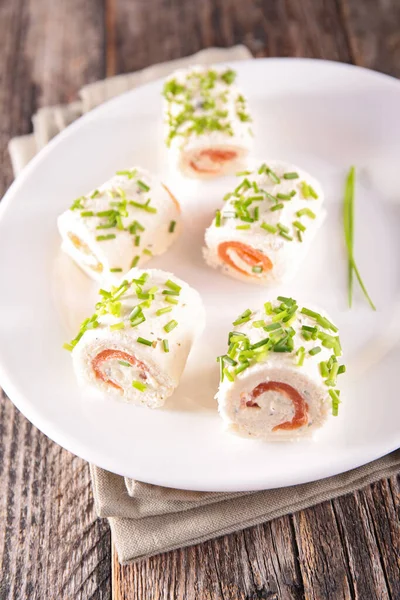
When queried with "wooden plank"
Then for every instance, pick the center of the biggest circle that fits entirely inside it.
(51, 545)
(255, 563)
(356, 527)
(322, 558)
(373, 32)
(309, 28)
(50, 539)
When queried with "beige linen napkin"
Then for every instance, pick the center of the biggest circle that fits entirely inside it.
(147, 519)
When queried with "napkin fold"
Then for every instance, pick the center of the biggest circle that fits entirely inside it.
(147, 519)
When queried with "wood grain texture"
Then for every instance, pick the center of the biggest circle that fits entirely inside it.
(373, 32)
(51, 545)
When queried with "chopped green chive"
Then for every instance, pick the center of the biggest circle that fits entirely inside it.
(103, 238)
(87, 213)
(138, 320)
(228, 375)
(229, 360)
(137, 240)
(259, 344)
(135, 312)
(242, 367)
(307, 212)
(217, 218)
(268, 308)
(162, 311)
(257, 269)
(129, 174)
(286, 236)
(299, 225)
(262, 169)
(107, 225)
(139, 386)
(124, 363)
(273, 176)
(323, 321)
(143, 341)
(68, 347)
(342, 369)
(135, 261)
(243, 226)
(301, 354)
(256, 213)
(286, 300)
(77, 204)
(335, 402)
(135, 227)
(228, 76)
(299, 236)
(173, 286)
(272, 327)
(276, 207)
(283, 228)
(291, 175)
(145, 207)
(312, 192)
(331, 381)
(95, 194)
(323, 369)
(243, 173)
(147, 252)
(172, 226)
(243, 318)
(165, 345)
(170, 300)
(116, 326)
(143, 186)
(269, 228)
(270, 196)
(116, 270)
(105, 213)
(284, 196)
(305, 190)
(314, 351)
(170, 326)
(258, 323)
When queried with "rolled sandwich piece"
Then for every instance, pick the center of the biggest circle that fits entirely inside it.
(267, 224)
(279, 375)
(136, 344)
(121, 224)
(207, 122)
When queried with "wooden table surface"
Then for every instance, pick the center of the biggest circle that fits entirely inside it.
(51, 544)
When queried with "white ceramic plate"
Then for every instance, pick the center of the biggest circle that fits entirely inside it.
(324, 117)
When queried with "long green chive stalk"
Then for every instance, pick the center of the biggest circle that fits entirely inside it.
(348, 224)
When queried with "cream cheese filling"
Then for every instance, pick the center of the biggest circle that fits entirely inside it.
(88, 257)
